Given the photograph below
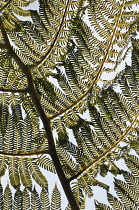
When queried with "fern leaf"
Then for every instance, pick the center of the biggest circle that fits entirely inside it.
(26, 200)
(44, 198)
(3, 166)
(36, 173)
(35, 200)
(115, 203)
(7, 204)
(18, 200)
(56, 199)
(46, 163)
(1, 197)
(24, 173)
(13, 172)
(101, 206)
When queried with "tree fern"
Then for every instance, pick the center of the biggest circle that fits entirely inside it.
(51, 66)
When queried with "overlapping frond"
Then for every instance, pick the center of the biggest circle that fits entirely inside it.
(114, 119)
(127, 192)
(95, 48)
(12, 9)
(66, 56)
(26, 199)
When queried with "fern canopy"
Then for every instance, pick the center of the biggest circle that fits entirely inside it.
(54, 115)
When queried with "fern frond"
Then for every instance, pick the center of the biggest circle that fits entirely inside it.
(36, 173)
(3, 165)
(7, 203)
(18, 200)
(56, 199)
(115, 203)
(45, 163)
(77, 191)
(1, 196)
(26, 200)
(44, 198)
(24, 173)
(35, 200)
(127, 195)
(13, 172)
(113, 119)
(102, 206)
(84, 46)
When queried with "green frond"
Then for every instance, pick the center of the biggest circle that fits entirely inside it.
(18, 199)
(99, 206)
(14, 172)
(115, 203)
(68, 164)
(36, 173)
(25, 175)
(45, 163)
(78, 193)
(44, 198)
(35, 200)
(51, 62)
(26, 200)
(3, 165)
(7, 201)
(133, 163)
(131, 180)
(128, 195)
(56, 199)
(1, 196)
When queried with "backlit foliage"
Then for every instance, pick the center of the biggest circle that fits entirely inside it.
(52, 61)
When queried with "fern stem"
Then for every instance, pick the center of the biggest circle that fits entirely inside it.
(24, 154)
(46, 123)
(15, 91)
(99, 72)
(105, 153)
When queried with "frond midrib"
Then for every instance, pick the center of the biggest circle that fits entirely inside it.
(107, 151)
(55, 39)
(98, 74)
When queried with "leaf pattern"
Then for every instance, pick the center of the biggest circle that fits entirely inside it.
(53, 113)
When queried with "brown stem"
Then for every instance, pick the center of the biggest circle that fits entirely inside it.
(46, 123)
(25, 154)
(14, 91)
